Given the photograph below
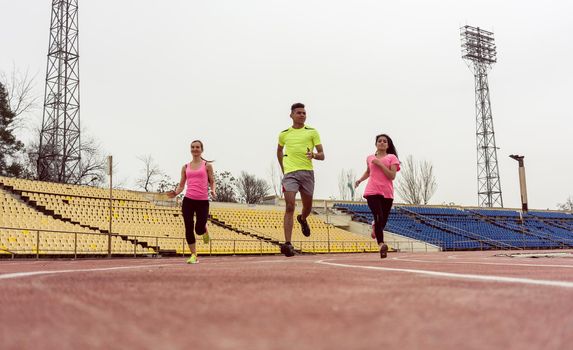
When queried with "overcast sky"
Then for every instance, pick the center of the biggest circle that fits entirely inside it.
(157, 74)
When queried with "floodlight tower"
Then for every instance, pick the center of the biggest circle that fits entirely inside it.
(59, 147)
(479, 52)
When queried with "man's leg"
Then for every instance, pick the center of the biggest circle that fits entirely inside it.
(306, 204)
(306, 209)
(289, 213)
(306, 179)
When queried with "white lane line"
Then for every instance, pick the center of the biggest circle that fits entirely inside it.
(487, 278)
(47, 262)
(277, 261)
(209, 261)
(48, 272)
(479, 263)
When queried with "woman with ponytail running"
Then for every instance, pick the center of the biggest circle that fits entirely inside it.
(381, 169)
(198, 176)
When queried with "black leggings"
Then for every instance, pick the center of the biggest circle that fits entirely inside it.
(380, 208)
(201, 209)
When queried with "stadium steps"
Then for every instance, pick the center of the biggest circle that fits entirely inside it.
(143, 244)
(18, 194)
(554, 224)
(345, 211)
(426, 220)
(355, 216)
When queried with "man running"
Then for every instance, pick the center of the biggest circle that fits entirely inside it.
(300, 140)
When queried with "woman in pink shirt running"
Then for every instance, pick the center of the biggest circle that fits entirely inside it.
(381, 169)
(198, 176)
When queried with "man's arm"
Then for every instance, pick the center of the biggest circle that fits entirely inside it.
(280, 156)
(319, 155)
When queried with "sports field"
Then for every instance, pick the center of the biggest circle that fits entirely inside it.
(461, 300)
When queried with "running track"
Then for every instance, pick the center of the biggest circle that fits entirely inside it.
(469, 300)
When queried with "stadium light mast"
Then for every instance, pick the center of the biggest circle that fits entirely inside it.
(59, 147)
(522, 184)
(479, 52)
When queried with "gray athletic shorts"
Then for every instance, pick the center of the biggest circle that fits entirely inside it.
(299, 181)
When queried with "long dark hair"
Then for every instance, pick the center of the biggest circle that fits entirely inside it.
(201, 143)
(391, 148)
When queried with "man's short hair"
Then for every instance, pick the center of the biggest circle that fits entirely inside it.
(296, 105)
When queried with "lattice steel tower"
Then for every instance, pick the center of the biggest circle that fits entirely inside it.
(59, 150)
(479, 52)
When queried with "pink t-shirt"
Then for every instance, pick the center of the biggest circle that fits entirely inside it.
(197, 182)
(378, 182)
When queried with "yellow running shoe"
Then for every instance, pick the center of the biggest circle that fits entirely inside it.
(192, 259)
(206, 236)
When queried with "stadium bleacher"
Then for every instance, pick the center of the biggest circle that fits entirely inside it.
(268, 223)
(458, 228)
(41, 218)
(26, 231)
(139, 227)
(80, 213)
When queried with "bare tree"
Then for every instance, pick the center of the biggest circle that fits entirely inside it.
(19, 87)
(252, 190)
(93, 164)
(150, 175)
(567, 205)
(31, 161)
(428, 182)
(276, 179)
(226, 187)
(417, 183)
(408, 187)
(166, 184)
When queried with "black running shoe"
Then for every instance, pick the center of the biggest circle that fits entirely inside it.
(383, 251)
(287, 249)
(303, 225)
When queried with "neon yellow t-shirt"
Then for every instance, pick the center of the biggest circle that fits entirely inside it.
(297, 142)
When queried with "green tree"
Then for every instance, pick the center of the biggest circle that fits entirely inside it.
(10, 148)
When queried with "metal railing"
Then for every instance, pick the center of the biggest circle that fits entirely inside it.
(30, 242)
(37, 242)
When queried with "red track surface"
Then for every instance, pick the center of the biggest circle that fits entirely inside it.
(408, 301)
